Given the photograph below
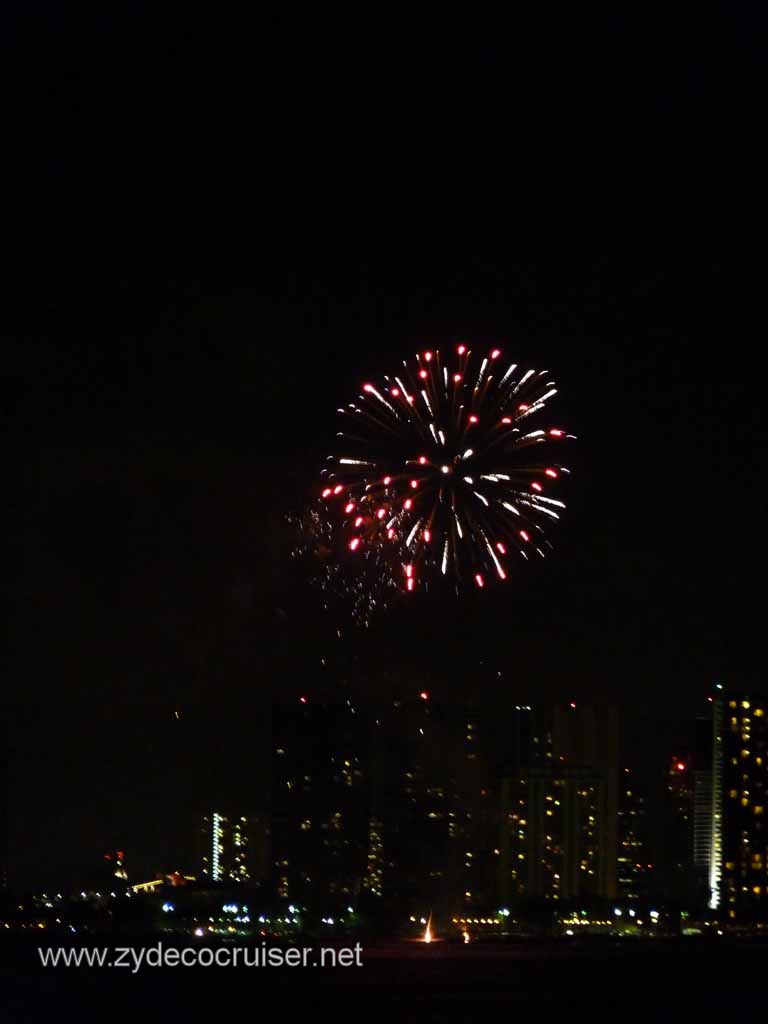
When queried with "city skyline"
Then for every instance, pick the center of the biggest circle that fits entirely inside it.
(549, 760)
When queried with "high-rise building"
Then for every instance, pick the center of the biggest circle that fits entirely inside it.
(680, 820)
(738, 836)
(416, 755)
(702, 767)
(559, 814)
(577, 781)
(373, 879)
(442, 774)
(320, 803)
(570, 855)
(633, 861)
(702, 828)
(226, 842)
(685, 838)
(478, 791)
(514, 853)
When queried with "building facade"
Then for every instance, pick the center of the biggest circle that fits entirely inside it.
(559, 814)
(738, 836)
(226, 845)
(634, 865)
(320, 804)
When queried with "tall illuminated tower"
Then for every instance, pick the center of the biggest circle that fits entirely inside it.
(226, 857)
(738, 834)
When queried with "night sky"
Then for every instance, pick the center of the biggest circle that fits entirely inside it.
(215, 232)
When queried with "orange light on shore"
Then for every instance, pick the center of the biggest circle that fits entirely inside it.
(428, 930)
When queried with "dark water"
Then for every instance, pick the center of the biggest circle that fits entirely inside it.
(601, 981)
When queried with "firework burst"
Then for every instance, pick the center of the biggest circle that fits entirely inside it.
(443, 472)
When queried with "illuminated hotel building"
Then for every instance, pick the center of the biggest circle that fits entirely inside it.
(226, 856)
(738, 837)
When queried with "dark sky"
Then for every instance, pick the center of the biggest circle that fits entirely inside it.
(216, 229)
